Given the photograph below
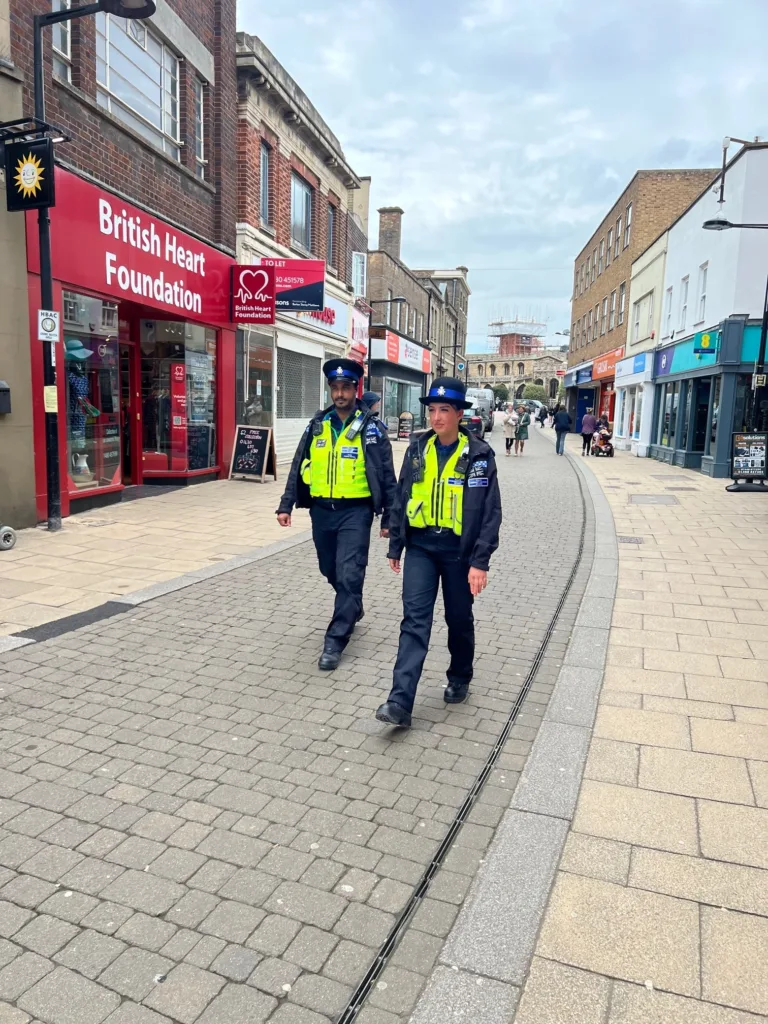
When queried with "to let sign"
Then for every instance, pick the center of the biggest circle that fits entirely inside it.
(299, 285)
(253, 295)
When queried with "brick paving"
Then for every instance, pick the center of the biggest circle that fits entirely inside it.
(197, 825)
(659, 914)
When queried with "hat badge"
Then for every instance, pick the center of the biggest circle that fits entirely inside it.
(441, 391)
(339, 371)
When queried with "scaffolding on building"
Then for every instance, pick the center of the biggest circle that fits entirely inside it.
(516, 336)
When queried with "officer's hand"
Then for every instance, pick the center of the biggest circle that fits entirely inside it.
(394, 564)
(284, 518)
(384, 532)
(478, 581)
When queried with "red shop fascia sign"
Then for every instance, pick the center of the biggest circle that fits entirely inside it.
(105, 245)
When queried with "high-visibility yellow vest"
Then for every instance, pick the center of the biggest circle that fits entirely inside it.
(438, 501)
(336, 470)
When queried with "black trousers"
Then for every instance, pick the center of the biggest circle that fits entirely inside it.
(430, 559)
(342, 537)
(586, 443)
(509, 441)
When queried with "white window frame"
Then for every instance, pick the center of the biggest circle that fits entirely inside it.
(589, 327)
(265, 169)
(162, 137)
(684, 286)
(628, 226)
(668, 315)
(601, 258)
(330, 241)
(359, 273)
(389, 307)
(594, 265)
(622, 301)
(612, 320)
(299, 184)
(62, 58)
(619, 222)
(198, 88)
(636, 321)
(608, 248)
(702, 306)
(650, 311)
(604, 318)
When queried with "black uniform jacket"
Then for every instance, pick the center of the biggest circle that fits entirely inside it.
(481, 502)
(379, 468)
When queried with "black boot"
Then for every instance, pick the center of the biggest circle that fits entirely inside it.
(456, 693)
(393, 714)
(361, 616)
(330, 658)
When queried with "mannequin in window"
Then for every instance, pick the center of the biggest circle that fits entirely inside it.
(75, 356)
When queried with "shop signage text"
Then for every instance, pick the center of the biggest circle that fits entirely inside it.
(253, 295)
(749, 456)
(359, 337)
(333, 317)
(299, 285)
(128, 254)
(605, 366)
(584, 375)
(402, 352)
(632, 365)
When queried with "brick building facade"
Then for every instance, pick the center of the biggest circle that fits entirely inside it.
(143, 235)
(158, 169)
(298, 198)
(546, 368)
(602, 270)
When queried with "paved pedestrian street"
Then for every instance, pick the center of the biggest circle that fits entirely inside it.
(198, 825)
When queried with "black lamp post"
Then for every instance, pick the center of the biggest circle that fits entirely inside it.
(371, 303)
(134, 9)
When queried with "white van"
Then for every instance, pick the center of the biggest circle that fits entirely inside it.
(482, 402)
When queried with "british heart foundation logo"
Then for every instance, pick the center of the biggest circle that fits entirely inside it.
(253, 295)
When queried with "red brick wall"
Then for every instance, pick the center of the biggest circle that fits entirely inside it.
(249, 138)
(114, 155)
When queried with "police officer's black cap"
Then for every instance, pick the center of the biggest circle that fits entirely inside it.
(447, 389)
(343, 369)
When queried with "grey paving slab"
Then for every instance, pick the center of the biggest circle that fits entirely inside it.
(574, 701)
(462, 998)
(588, 647)
(551, 778)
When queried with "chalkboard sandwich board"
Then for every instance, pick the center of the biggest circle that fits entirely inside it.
(253, 456)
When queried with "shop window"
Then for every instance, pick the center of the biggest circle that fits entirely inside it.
(638, 415)
(62, 43)
(301, 213)
(265, 160)
(668, 423)
(178, 397)
(299, 393)
(703, 390)
(138, 80)
(686, 388)
(200, 161)
(92, 387)
(743, 406)
(715, 415)
(253, 378)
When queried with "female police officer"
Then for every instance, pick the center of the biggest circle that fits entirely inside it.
(342, 472)
(447, 514)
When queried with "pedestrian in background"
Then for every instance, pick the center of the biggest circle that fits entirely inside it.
(542, 417)
(510, 427)
(521, 433)
(562, 423)
(447, 515)
(344, 474)
(587, 429)
(372, 401)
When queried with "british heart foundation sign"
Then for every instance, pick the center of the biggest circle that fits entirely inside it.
(253, 295)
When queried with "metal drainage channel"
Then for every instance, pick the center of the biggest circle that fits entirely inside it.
(360, 995)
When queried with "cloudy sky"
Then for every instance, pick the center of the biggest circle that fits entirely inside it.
(506, 128)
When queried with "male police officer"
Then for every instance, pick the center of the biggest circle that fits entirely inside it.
(342, 472)
(447, 515)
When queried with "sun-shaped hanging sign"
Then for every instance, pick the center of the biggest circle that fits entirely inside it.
(29, 176)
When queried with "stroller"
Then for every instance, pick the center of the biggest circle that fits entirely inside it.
(601, 442)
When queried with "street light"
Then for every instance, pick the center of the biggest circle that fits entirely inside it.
(400, 299)
(133, 9)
